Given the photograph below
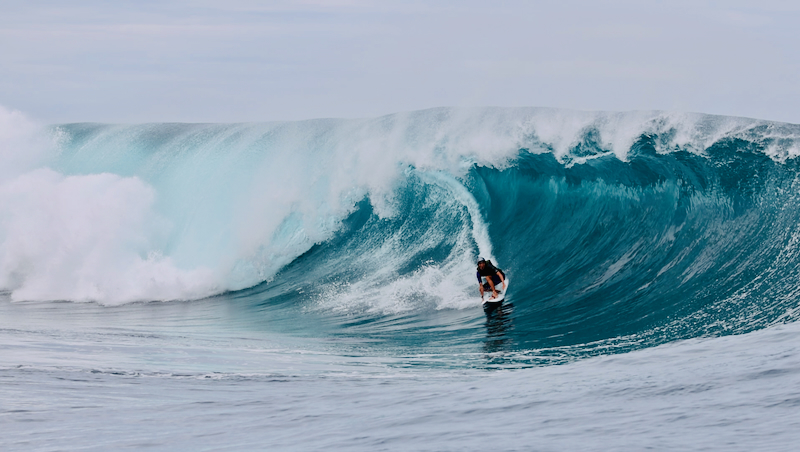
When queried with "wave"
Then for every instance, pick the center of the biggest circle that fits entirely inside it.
(617, 228)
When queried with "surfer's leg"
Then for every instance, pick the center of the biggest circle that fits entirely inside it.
(491, 284)
(499, 282)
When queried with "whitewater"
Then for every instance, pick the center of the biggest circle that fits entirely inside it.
(311, 285)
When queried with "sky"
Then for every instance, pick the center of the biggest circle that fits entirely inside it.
(248, 61)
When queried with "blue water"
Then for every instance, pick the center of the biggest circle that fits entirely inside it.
(310, 285)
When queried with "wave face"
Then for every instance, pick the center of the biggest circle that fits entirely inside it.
(618, 230)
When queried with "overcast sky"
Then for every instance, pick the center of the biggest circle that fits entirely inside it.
(248, 60)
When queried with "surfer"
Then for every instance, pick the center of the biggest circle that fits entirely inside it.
(493, 276)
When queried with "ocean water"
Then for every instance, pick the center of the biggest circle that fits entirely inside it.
(310, 285)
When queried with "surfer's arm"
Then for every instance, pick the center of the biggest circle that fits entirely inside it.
(480, 285)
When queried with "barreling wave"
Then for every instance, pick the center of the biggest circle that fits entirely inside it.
(618, 229)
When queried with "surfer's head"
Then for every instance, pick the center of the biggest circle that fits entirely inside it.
(481, 261)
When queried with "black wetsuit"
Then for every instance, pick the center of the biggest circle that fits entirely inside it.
(490, 271)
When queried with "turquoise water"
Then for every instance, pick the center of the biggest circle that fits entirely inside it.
(311, 284)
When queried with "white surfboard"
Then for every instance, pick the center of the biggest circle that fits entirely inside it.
(501, 292)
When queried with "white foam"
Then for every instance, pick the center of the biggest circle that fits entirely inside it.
(23, 145)
(87, 238)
